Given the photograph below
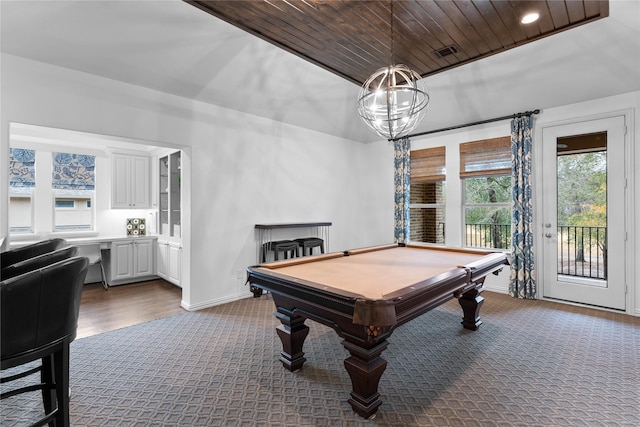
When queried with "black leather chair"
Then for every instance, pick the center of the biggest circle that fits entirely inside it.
(22, 253)
(39, 319)
(37, 262)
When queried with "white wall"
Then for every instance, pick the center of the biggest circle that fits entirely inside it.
(244, 169)
(250, 170)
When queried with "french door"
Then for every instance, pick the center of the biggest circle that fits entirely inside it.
(583, 197)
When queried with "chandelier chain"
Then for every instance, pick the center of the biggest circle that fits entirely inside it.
(393, 55)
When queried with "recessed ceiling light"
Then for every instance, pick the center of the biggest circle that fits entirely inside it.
(529, 18)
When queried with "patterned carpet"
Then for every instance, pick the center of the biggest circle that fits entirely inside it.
(532, 363)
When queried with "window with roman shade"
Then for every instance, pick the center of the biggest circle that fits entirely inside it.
(428, 165)
(22, 181)
(485, 172)
(427, 195)
(73, 183)
(73, 171)
(22, 167)
(485, 157)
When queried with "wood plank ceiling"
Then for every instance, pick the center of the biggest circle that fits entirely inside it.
(354, 38)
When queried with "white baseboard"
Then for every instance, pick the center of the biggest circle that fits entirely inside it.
(214, 302)
(497, 289)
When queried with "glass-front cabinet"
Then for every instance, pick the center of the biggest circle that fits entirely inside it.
(169, 244)
(169, 195)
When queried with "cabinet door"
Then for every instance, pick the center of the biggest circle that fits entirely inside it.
(121, 260)
(120, 181)
(143, 253)
(131, 181)
(140, 182)
(162, 259)
(175, 263)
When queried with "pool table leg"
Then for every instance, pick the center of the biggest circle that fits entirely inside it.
(365, 367)
(292, 333)
(471, 301)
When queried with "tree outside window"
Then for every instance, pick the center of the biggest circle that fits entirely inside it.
(485, 170)
(487, 212)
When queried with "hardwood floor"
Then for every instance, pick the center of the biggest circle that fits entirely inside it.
(126, 305)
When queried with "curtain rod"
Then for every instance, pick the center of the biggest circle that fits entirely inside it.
(496, 119)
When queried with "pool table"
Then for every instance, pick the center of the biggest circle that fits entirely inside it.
(364, 294)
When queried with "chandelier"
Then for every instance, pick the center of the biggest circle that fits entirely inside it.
(393, 100)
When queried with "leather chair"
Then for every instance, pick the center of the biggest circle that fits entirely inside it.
(22, 253)
(39, 319)
(37, 262)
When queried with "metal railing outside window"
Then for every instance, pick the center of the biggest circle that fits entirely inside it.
(494, 236)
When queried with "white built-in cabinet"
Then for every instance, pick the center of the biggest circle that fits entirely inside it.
(169, 246)
(169, 261)
(132, 260)
(170, 194)
(130, 181)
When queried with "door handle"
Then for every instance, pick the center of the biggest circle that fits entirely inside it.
(547, 234)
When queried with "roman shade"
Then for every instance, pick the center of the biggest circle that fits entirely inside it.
(485, 157)
(428, 165)
(73, 171)
(22, 169)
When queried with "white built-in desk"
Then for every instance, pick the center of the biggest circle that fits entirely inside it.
(126, 259)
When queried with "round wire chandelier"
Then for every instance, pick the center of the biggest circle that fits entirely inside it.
(393, 101)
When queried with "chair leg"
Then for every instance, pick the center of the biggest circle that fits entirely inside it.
(104, 278)
(47, 378)
(61, 370)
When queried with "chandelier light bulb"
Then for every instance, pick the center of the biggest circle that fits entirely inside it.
(402, 102)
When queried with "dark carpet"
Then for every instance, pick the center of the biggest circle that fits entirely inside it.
(532, 363)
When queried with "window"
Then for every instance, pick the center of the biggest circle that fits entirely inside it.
(485, 171)
(62, 203)
(427, 195)
(22, 181)
(73, 183)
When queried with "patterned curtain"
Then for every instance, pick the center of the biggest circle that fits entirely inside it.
(401, 179)
(522, 282)
(22, 168)
(73, 171)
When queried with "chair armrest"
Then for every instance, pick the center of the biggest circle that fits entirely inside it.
(13, 256)
(37, 262)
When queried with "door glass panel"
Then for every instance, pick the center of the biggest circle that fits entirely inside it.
(582, 208)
